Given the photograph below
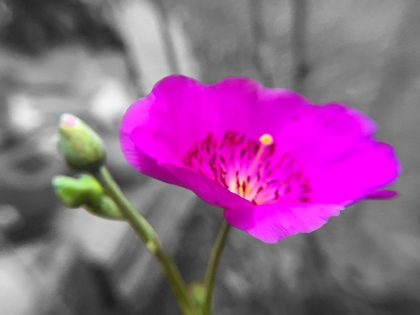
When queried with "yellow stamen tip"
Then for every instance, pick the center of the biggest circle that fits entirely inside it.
(266, 139)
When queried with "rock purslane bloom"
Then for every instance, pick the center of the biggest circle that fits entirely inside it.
(277, 164)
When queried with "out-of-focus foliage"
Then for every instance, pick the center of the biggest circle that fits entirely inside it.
(33, 26)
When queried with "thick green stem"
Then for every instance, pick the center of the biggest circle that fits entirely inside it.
(150, 238)
(213, 265)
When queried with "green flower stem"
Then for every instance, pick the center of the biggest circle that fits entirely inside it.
(213, 265)
(150, 238)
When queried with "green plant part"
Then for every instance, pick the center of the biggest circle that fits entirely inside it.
(88, 193)
(82, 148)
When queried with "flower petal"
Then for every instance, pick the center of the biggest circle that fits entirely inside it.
(273, 223)
(335, 146)
(145, 164)
(357, 176)
(322, 134)
(382, 194)
(208, 189)
(246, 106)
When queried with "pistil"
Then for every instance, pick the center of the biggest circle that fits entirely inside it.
(265, 141)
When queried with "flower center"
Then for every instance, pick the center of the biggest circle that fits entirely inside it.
(250, 168)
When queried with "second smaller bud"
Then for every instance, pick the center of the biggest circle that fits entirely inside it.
(85, 191)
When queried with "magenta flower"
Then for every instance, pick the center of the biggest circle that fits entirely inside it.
(277, 164)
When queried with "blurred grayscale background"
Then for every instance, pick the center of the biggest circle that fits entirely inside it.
(93, 58)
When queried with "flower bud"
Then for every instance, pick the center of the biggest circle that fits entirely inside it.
(75, 192)
(80, 145)
(85, 192)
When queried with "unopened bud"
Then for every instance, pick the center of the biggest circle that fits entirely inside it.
(80, 145)
(75, 192)
(88, 193)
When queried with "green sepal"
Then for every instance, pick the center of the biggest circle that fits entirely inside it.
(104, 207)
